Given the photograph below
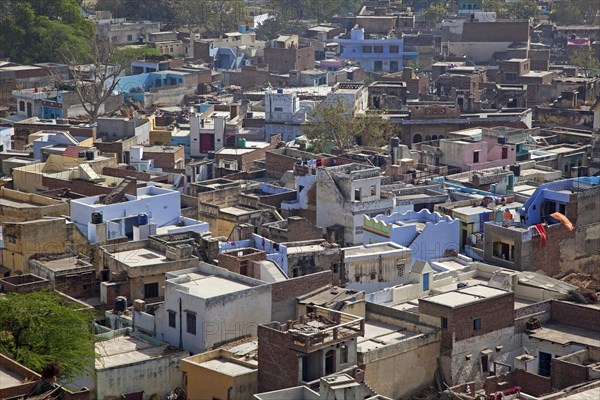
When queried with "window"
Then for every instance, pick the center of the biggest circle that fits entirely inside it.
(151, 290)
(394, 49)
(400, 268)
(172, 319)
(378, 49)
(504, 153)
(477, 324)
(373, 190)
(444, 323)
(129, 38)
(367, 49)
(21, 106)
(190, 320)
(329, 362)
(343, 354)
(484, 363)
(335, 268)
(476, 156)
(279, 109)
(357, 194)
(373, 276)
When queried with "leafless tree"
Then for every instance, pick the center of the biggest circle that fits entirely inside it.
(95, 82)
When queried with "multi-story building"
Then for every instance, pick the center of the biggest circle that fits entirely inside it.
(345, 193)
(284, 114)
(377, 54)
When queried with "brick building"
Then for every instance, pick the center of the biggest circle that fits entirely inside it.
(304, 350)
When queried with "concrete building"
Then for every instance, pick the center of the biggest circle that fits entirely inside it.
(284, 114)
(374, 54)
(354, 96)
(372, 267)
(338, 386)
(72, 275)
(120, 31)
(6, 134)
(230, 372)
(152, 210)
(428, 235)
(17, 206)
(303, 351)
(133, 364)
(540, 241)
(137, 269)
(345, 193)
(286, 54)
(207, 306)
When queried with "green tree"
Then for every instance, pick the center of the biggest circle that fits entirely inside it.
(566, 13)
(434, 14)
(127, 55)
(39, 328)
(42, 30)
(273, 27)
(586, 61)
(523, 9)
(497, 6)
(334, 124)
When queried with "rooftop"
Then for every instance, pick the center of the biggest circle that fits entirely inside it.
(227, 367)
(566, 335)
(207, 286)
(383, 249)
(466, 296)
(378, 334)
(126, 350)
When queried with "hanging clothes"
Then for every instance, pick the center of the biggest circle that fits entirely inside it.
(563, 220)
(542, 232)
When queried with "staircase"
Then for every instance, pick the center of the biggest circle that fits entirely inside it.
(118, 193)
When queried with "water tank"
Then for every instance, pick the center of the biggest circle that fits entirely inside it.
(395, 142)
(120, 304)
(241, 143)
(211, 155)
(142, 219)
(81, 154)
(97, 217)
(279, 90)
(89, 155)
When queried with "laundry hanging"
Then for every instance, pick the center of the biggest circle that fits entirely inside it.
(563, 220)
(542, 231)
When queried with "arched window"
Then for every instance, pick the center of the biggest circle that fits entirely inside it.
(417, 138)
(427, 138)
(434, 137)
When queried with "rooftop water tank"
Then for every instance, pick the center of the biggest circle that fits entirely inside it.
(97, 217)
(142, 219)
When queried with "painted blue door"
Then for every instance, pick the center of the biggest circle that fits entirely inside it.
(426, 281)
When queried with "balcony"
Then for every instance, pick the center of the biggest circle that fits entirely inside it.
(323, 328)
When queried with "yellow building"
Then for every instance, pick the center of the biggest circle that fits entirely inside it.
(222, 374)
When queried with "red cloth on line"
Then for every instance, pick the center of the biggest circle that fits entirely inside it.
(542, 232)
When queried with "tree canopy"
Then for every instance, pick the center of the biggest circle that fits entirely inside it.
(42, 30)
(318, 10)
(333, 124)
(586, 61)
(39, 328)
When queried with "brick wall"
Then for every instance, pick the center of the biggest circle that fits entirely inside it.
(285, 60)
(277, 164)
(495, 314)
(295, 287)
(576, 315)
(278, 364)
(232, 262)
(533, 384)
(170, 159)
(565, 374)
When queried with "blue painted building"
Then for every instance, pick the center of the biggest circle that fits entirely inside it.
(381, 54)
(135, 87)
(428, 235)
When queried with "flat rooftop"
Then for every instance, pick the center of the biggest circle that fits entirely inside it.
(372, 249)
(9, 378)
(566, 334)
(465, 296)
(139, 257)
(226, 367)
(126, 350)
(63, 264)
(378, 334)
(207, 286)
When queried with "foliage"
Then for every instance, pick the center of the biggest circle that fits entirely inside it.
(127, 55)
(523, 9)
(273, 27)
(42, 30)
(37, 328)
(576, 12)
(434, 14)
(586, 61)
(152, 10)
(333, 123)
(318, 10)
(497, 6)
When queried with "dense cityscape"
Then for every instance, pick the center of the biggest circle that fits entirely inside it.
(299, 199)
